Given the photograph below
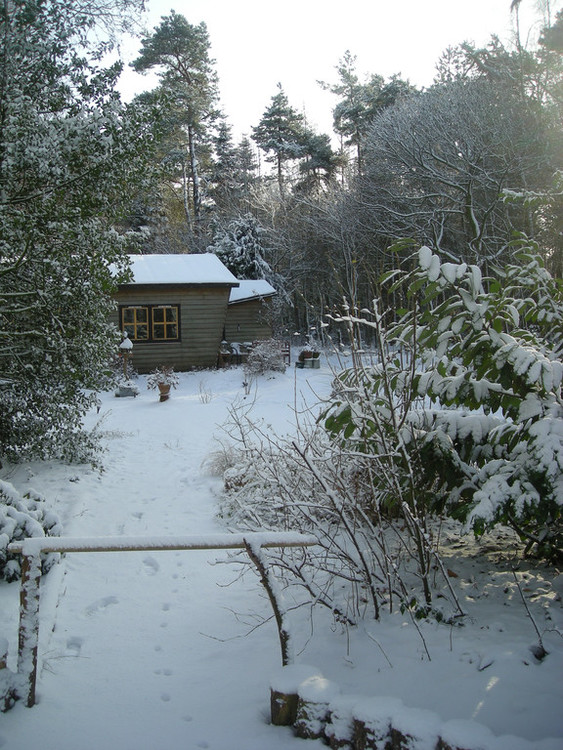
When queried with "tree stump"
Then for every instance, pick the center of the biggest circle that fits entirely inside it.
(284, 691)
(315, 696)
(373, 719)
(340, 727)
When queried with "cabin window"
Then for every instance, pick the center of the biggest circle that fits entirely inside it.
(151, 322)
(165, 323)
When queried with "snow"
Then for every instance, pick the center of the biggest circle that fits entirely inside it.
(34, 546)
(249, 289)
(288, 679)
(192, 268)
(162, 650)
(317, 689)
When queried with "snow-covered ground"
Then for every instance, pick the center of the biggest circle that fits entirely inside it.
(160, 650)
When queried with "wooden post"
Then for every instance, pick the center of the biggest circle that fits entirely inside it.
(28, 636)
(126, 349)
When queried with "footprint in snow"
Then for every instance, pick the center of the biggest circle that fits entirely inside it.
(74, 645)
(151, 566)
(100, 604)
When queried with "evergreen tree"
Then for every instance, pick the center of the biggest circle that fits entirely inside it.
(240, 248)
(320, 163)
(70, 156)
(552, 36)
(180, 51)
(247, 169)
(360, 102)
(280, 133)
(225, 178)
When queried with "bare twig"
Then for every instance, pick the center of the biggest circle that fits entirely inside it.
(539, 652)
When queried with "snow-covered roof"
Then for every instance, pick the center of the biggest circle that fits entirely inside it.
(194, 268)
(251, 289)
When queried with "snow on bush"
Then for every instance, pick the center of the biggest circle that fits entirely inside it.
(364, 562)
(488, 352)
(20, 518)
(460, 416)
(265, 356)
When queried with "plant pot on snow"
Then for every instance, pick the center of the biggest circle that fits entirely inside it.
(164, 389)
(162, 378)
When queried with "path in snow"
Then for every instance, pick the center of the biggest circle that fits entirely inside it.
(138, 650)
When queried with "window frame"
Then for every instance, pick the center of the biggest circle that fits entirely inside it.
(150, 323)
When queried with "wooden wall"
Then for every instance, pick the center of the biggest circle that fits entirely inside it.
(248, 321)
(202, 319)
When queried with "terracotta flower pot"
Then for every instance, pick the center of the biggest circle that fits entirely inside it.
(164, 389)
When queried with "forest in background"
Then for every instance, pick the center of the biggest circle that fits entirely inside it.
(463, 166)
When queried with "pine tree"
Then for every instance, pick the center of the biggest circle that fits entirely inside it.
(247, 168)
(180, 51)
(280, 133)
(360, 102)
(225, 176)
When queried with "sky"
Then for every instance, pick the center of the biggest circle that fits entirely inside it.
(258, 44)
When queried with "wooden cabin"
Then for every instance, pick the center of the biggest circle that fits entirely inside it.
(174, 310)
(249, 313)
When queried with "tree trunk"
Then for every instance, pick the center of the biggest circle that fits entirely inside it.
(195, 177)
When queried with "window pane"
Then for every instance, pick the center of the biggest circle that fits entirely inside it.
(171, 314)
(158, 331)
(142, 332)
(142, 315)
(158, 315)
(172, 331)
(130, 331)
(128, 315)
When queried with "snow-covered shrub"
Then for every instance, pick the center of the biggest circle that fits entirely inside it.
(363, 563)
(265, 356)
(162, 376)
(488, 354)
(22, 517)
(44, 420)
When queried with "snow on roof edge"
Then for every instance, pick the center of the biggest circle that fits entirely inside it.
(250, 289)
(186, 268)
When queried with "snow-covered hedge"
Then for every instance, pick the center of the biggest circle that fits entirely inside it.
(22, 517)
